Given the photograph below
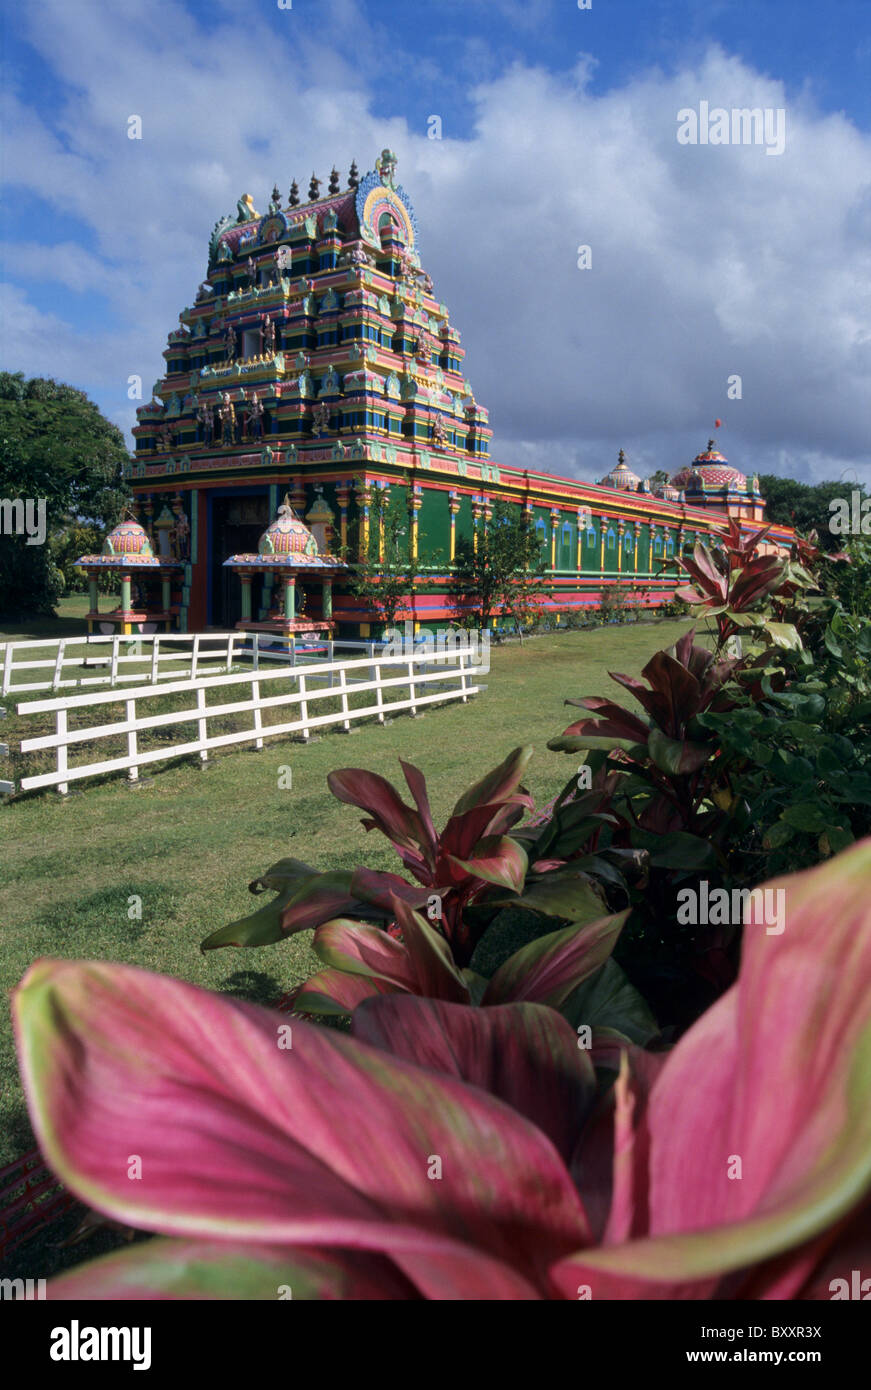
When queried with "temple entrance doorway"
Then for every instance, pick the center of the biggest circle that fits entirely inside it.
(237, 523)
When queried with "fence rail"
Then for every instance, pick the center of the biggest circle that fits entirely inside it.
(201, 653)
(311, 684)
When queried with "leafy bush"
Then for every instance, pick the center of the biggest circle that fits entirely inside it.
(298, 1156)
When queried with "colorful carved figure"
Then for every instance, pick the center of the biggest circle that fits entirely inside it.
(439, 433)
(227, 417)
(245, 209)
(254, 421)
(206, 416)
(321, 418)
(229, 345)
(180, 537)
(386, 167)
(268, 335)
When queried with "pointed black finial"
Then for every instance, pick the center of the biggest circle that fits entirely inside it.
(276, 197)
(314, 189)
(353, 175)
(621, 457)
(334, 180)
(294, 194)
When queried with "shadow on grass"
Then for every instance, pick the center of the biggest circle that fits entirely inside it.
(253, 986)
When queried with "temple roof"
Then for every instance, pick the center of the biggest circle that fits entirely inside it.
(710, 471)
(127, 546)
(287, 543)
(621, 476)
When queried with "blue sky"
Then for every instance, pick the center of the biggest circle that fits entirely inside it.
(558, 128)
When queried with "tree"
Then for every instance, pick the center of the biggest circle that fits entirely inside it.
(660, 477)
(502, 570)
(57, 448)
(806, 506)
(384, 574)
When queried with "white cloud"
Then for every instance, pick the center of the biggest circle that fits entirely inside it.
(706, 261)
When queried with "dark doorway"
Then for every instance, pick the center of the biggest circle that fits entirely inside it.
(237, 523)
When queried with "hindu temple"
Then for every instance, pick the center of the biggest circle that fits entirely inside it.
(317, 361)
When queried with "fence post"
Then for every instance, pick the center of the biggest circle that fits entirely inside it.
(155, 660)
(113, 674)
(195, 652)
(463, 676)
(255, 652)
(343, 691)
(7, 669)
(132, 772)
(258, 713)
(231, 644)
(60, 730)
(379, 693)
(331, 656)
(303, 708)
(412, 694)
(201, 706)
(372, 668)
(58, 665)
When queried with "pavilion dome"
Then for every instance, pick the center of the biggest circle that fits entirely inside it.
(710, 471)
(287, 535)
(621, 476)
(128, 538)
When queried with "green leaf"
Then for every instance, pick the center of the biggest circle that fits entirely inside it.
(777, 835)
(839, 837)
(805, 816)
(784, 635)
(677, 850)
(565, 893)
(261, 928)
(677, 756)
(608, 1000)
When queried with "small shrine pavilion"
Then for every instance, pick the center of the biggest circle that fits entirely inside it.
(288, 553)
(127, 551)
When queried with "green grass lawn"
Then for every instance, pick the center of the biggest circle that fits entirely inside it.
(189, 839)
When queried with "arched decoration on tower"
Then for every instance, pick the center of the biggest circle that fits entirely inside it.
(273, 228)
(373, 200)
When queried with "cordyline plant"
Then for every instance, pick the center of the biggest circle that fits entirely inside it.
(471, 862)
(307, 1161)
(363, 961)
(666, 754)
(742, 590)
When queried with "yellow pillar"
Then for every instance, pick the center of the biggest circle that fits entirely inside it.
(554, 527)
(603, 524)
(635, 550)
(454, 507)
(364, 498)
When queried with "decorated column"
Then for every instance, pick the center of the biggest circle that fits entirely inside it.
(343, 497)
(414, 510)
(453, 507)
(364, 501)
(246, 596)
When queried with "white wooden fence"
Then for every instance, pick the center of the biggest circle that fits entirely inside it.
(303, 686)
(158, 657)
